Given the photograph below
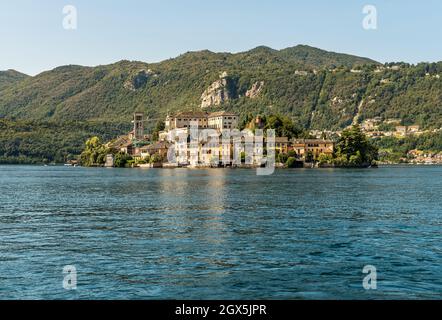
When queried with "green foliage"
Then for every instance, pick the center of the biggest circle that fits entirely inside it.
(393, 149)
(94, 154)
(243, 157)
(122, 160)
(156, 158)
(291, 162)
(32, 142)
(10, 77)
(325, 159)
(160, 126)
(355, 149)
(282, 157)
(68, 92)
(320, 58)
(292, 154)
(309, 157)
(284, 126)
(144, 160)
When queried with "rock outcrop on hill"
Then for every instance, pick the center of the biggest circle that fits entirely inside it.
(138, 80)
(255, 90)
(217, 93)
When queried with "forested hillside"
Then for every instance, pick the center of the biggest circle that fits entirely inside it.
(316, 88)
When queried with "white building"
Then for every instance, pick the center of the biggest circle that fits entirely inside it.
(218, 120)
(223, 120)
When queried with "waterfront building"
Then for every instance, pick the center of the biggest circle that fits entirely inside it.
(282, 144)
(159, 148)
(315, 147)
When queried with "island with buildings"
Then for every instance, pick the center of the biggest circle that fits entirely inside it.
(138, 149)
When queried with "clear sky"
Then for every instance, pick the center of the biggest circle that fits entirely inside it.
(32, 37)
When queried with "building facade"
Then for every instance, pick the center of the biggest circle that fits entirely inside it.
(222, 121)
(218, 120)
(314, 147)
(184, 120)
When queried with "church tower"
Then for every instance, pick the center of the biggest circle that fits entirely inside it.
(138, 126)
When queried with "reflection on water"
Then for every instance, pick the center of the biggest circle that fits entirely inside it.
(220, 234)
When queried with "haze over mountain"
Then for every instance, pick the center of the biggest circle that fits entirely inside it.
(316, 88)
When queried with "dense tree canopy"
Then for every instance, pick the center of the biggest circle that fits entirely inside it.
(355, 149)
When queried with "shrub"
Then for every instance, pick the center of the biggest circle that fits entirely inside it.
(291, 162)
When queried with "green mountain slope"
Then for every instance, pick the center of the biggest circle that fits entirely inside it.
(320, 58)
(107, 92)
(10, 77)
(318, 89)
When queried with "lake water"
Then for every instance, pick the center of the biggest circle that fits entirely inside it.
(220, 234)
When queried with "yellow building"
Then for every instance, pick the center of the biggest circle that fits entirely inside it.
(302, 147)
(282, 144)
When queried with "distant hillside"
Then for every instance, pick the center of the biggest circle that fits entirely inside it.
(320, 58)
(114, 91)
(316, 88)
(10, 77)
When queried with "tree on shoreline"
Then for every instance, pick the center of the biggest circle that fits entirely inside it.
(354, 149)
(94, 154)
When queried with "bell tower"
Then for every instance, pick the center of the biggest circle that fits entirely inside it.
(138, 126)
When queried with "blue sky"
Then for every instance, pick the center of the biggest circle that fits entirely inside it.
(32, 38)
